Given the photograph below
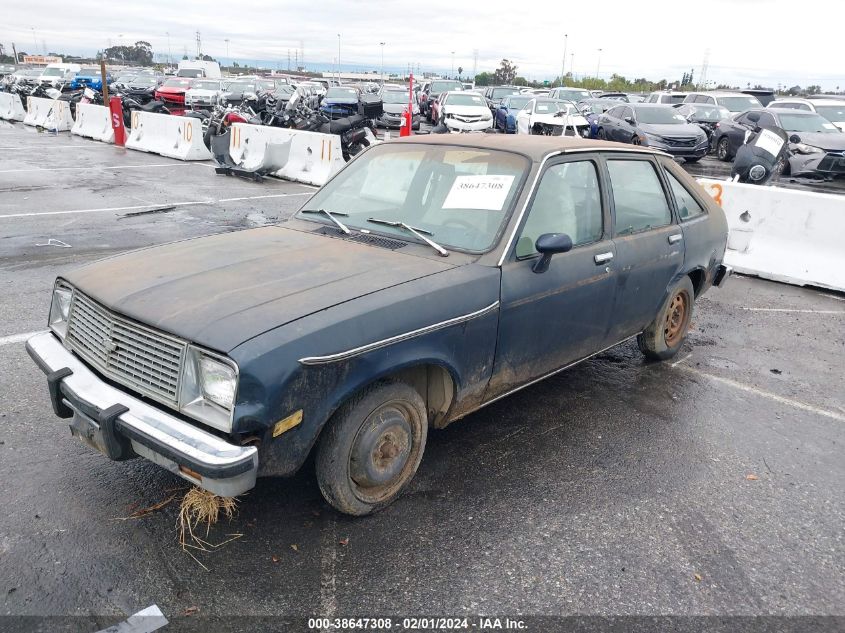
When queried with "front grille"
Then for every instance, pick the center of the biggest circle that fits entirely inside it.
(679, 141)
(133, 355)
(467, 118)
(833, 163)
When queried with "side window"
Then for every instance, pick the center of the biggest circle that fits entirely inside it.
(802, 106)
(615, 112)
(767, 119)
(568, 200)
(687, 206)
(639, 199)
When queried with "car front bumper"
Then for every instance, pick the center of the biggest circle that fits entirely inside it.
(697, 151)
(454, 125)
(395, 120)
(122, 426)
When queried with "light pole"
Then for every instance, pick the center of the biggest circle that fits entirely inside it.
(338, 57)
(598, 64)
(563, 62)
(453, 64)
(34, 42)
(227, 47)
(572, 64)
(169, 58)
(382, 62)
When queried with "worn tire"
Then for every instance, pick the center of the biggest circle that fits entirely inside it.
(666, 335)
(370, 410)
(723, 149)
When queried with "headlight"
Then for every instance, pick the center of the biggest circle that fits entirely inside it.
(209, 384)
(60, 308)
(803, 148)
(654, 137)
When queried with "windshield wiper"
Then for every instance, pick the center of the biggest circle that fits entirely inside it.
(418, 232)
(330, 215)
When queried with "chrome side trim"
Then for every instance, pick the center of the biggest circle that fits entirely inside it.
(331, 358)
(643, 150)
(550, 374)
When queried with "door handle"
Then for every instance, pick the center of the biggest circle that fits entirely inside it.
(675, 238)
(603, 258)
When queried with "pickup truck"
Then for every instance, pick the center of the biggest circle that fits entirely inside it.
(431, 276)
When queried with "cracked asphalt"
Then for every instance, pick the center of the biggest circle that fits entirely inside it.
(711, 485)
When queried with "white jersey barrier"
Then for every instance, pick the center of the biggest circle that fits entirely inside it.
(93, 121)
(308, 157)
(172, 136)
(11, 107)
(51, 114)
(783, 234)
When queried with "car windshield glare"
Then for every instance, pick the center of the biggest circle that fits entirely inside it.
(660, 115)
(469, 99)
(807, 123)
(460, 195)
(711, 113)
(444, 86)
(394, 96)
(344, 93)
(517, 103)
(173, 83)
(54, 72)
(550, 107)
(499, 93)
(739, 104)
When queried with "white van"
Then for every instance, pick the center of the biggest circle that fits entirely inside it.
(56, 74)
(196, 69)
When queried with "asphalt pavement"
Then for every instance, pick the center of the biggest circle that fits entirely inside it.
(711, 485)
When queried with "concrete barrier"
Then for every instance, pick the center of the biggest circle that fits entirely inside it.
(308, 157)
(11, 107)
(172, 136)
(781, 234)
(93, 121)
(51, 114)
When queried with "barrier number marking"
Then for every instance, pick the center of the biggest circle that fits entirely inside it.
(134, 119)
(115, 120)
(188, 132)
(716, 192)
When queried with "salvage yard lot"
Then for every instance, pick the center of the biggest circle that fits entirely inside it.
(708, 485)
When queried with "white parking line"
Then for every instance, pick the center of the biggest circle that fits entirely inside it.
(17, 171)
(17, 338)
(794, 310)
(43, 147)
(153, 206)
(765, 394)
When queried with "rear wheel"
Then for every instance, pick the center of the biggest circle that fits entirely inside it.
(664, 337)
(723, 149)
(602, 135)
(635, 140)
(371, 448)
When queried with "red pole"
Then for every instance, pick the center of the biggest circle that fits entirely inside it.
(116, 109)
(408, 114)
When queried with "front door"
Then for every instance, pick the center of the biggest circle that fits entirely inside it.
(550, 319)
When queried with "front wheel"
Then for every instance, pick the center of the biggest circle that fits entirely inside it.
(723, 150)
(664, 337)
(371, 448)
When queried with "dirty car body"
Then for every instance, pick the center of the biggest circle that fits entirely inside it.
(450, 270)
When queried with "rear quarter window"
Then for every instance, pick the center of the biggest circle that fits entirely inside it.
(687, 205)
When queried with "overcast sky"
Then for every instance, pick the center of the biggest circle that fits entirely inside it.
(757, 41)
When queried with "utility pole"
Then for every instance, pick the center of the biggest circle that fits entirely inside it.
(34, 41)
(453, 65)
(572, 65)
(199, 45)
(702, 76)
(598, 64)
(288, 60)
(382, 62)
(563, 62)
(474, 63)
(338, 57)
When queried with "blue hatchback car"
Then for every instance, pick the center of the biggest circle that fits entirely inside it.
(505, 115)
(90, 78)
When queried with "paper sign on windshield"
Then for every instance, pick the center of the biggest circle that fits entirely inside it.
(479, 192)
(769, 142)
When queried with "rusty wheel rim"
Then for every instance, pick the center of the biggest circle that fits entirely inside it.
(676, 316)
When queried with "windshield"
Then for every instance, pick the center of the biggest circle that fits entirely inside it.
(394, 97)
(710, 113)
(461, 195)
(190, 72)
(574, 94)
(597, 107)
(672, 98)
(143, 81)
(498, 93)
(469, 99)
(550, 107)
(444, 86)
(832, 112)
(53, 72)
(806, 123)
(90, 71)
(660, 115)
(177, 83)
(739, 104)
(125, 78)
(517, 103)
(241, 86)
(342, 93)
(206, 85)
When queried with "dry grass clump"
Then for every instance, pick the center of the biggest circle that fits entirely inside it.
(200, 507)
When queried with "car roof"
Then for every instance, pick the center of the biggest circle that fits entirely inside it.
(534, 147)
(785, 111)
(722, 93)
(642, 105)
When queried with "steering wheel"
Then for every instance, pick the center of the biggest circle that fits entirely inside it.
(462, 224)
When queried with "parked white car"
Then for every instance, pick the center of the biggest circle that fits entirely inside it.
(551, 117)
(465, 112)
(831, 109)
(204, 93)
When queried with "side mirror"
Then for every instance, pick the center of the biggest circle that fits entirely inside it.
(630, 119)
(794, 139)
(549, 244)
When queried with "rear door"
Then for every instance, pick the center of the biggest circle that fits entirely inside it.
(648, 242)
(550, 319)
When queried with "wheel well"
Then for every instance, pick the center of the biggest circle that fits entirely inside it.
(697, 278)
(436, 386)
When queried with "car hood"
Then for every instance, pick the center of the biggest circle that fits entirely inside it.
(172, 90)
(221, 290)
(398, 108)
(671, 129)
(831, 142)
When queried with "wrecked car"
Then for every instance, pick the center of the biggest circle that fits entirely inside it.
(551, 117)
(432, 276)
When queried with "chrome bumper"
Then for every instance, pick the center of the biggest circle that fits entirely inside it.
(114, 422)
